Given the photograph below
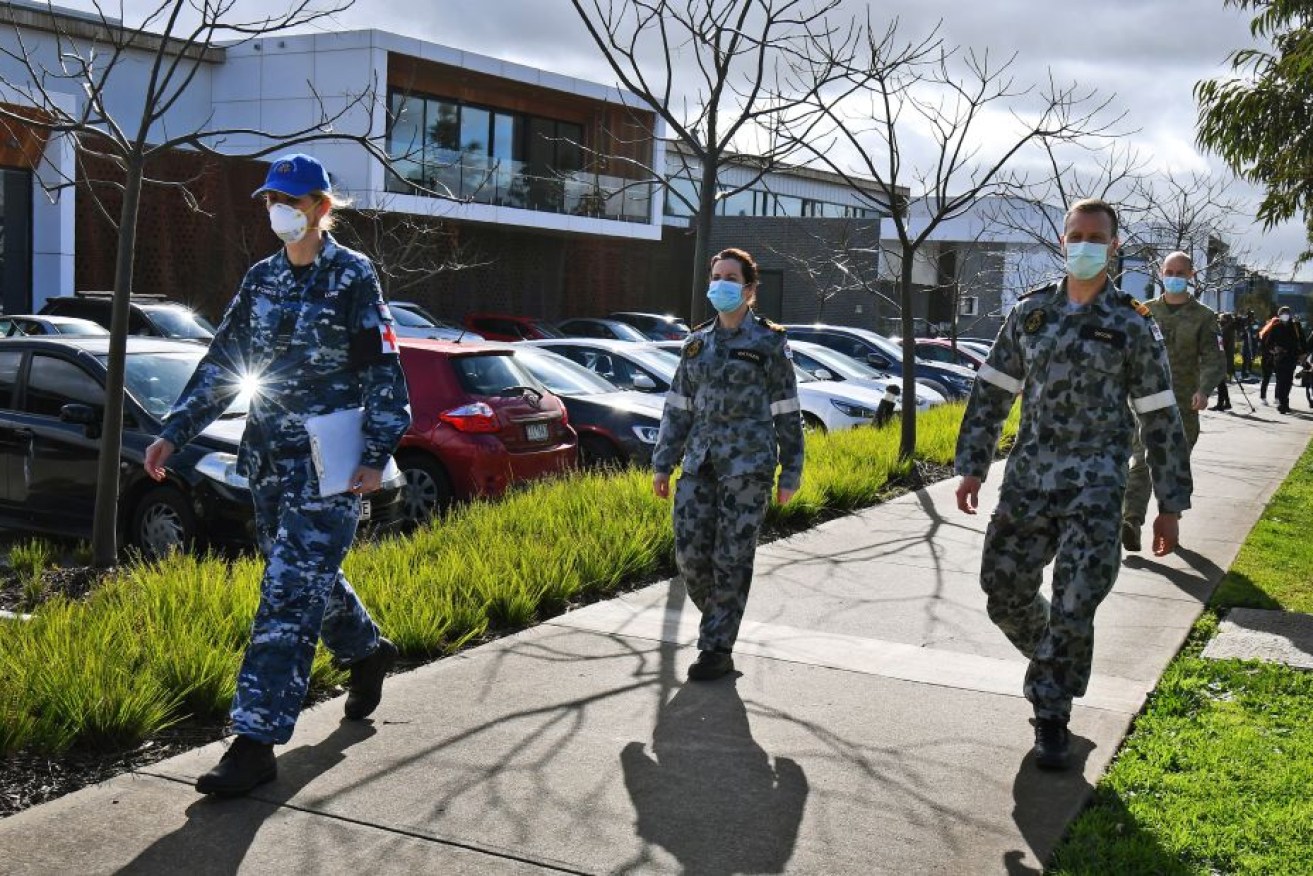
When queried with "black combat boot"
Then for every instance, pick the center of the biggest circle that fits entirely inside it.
(1130, 536)
(1052, 744)
(246, 765)
(365, 688)
(711, 665)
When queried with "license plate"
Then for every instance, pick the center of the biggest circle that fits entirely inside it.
(365, 509)
(536, 431)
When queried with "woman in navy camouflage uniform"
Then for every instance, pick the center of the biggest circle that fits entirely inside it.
(731, 416)
(310, 329)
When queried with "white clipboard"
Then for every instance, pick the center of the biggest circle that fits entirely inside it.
(337, 441)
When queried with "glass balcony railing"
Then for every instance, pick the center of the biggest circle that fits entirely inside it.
(502, 183)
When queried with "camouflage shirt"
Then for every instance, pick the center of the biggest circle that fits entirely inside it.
(733, 403)
(318, 343)
(1076, 369)
(1194, 346)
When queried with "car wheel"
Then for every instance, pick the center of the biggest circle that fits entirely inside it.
(428, 489)
(163, 522)
(597, 452)
(936, 386)
(812, 424)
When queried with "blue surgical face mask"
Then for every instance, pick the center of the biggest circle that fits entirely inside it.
(725, 295)
(1175, 285)
(1086, 260)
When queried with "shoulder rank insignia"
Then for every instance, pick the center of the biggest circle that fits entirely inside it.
(1035, 321)
(766, 323)
(692, 348)
(1047, 287)
(700, 326)
(1139, 306)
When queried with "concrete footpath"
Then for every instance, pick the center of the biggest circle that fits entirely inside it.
(876, 723)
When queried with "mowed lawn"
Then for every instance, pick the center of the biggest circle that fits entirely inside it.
(1217, 775)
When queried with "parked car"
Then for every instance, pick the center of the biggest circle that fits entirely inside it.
(52, 397)
(822, 363)
(651, 368)
(655, 326)
(612, 329)
(628, 365)
(879, 352)
(505, 327)
(25, 325)
(480, 422)
(409, 320)
(150, 315)
(943, 350)
(614, 425)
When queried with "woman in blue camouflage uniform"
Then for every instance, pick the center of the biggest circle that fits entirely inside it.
(731, 416)
(309, 331)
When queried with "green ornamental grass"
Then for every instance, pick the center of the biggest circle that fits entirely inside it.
(162, 641)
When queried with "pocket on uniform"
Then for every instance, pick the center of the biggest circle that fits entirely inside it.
(1101, 356)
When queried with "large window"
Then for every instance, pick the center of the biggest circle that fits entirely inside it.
(492, 156)
(759, 202)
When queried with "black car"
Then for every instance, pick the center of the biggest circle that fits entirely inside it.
(614, 425)
(656, 326)
(950, 381)
(150, 315)
(52, 396)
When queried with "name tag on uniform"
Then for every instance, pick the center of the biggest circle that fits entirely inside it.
(1108, 336)
(747, 356)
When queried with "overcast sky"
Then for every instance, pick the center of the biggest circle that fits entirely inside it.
(1148, 54)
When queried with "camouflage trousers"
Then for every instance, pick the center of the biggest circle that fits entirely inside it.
(1139, 486)
(303, 596)
(1028, 530)
(716, 526)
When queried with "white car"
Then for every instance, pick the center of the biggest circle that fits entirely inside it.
(827, 405)
(825, 364)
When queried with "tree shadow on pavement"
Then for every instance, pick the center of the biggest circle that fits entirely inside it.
(709, 794)
(219, 832)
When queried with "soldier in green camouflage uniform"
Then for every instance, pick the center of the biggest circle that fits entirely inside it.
(731, 415)
(1083, 356)
(1198, 362)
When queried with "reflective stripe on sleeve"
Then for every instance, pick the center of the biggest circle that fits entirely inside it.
(678, 402)
(785, 406)
(1003, 381)
(1157, 401)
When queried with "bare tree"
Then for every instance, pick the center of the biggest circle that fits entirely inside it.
(166, 52)
(407, 251)
(755, 66)
(836, 257)
(905, 90)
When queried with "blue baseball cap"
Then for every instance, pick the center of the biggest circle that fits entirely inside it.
(295, 175)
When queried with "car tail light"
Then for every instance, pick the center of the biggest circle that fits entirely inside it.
(476, 417)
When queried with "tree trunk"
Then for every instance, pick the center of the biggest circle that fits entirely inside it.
(697, 306)
(104, 537)
(907, 446)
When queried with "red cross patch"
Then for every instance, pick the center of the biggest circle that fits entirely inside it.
(389, 339)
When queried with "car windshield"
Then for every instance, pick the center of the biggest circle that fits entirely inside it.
(802, 376)
(409, 318)
(179, 322)
(84, 327)
(156, 380)
(562, 376)
(625, 332)
(844, 366)
(662, 362)
(547, 329)
(491, 374)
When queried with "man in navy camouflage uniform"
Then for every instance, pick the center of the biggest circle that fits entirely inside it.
(309, 329)
(1083, 356)
(731, 415)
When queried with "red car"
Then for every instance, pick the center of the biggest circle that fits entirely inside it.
(505, 327)
(480, 422)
